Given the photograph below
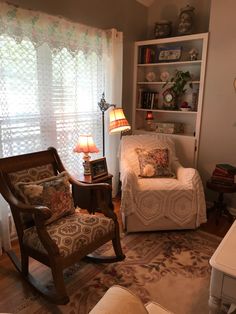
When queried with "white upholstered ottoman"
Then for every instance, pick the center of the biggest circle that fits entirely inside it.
(120, 300)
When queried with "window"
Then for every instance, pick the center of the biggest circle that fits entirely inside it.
(52, 74)
(48, 98)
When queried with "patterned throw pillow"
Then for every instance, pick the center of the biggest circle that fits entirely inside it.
(53, 192)
(154, 163)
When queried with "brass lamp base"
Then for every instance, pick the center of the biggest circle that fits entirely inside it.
(86, 164)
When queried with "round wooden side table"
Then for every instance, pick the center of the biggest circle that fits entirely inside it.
(220, 206)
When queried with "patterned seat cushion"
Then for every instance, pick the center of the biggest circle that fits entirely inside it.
(71, 233)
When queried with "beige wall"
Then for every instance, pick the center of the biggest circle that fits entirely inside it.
(218, 132)
(170, 9)
(129, 17)
(218, 129)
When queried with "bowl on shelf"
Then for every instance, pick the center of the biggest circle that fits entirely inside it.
(185, 108)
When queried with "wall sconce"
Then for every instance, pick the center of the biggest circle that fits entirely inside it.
(118, 122)
(86, 145)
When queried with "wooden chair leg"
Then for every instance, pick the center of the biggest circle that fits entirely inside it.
(117, 245)
(58, 278)
(58, 297)
(24, 264)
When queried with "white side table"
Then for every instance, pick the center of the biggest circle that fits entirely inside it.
(223, 275)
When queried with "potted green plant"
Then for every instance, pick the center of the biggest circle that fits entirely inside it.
(179, 80)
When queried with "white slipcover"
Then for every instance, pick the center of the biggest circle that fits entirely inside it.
(120, 300)
(177, 203)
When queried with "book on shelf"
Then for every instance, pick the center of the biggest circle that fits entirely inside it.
(149, 100)
(226, 168)
(148, 55)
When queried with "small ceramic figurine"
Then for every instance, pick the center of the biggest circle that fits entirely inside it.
(163, 29)
(193, 54)
(186, 20)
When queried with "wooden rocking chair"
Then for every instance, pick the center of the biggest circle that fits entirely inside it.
(49, 229)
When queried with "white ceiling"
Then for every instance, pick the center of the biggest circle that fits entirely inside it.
(147, 3)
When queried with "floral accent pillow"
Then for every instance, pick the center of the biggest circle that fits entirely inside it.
(53, 192)
(154, 163)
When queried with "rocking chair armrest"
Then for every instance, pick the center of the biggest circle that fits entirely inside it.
(104, 205)
(107, 212)
(14, 202)
(90, 186)
(40, 214)
(38, 210)
(48, 243)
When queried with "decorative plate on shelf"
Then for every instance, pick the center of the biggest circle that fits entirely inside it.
(164, 76)
(150, 76)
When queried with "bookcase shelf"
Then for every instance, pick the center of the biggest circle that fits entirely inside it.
(176, 63)
(162, 83)
(167, 111)
(148, 93)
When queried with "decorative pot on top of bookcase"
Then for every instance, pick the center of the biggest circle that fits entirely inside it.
(148, 94)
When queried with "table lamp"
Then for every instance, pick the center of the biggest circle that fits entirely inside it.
(149, 118)
(86, 145)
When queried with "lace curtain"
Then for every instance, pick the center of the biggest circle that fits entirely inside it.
(52, 74)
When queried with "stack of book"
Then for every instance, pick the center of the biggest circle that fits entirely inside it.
(148, 55)
(149, 100)
(224, 174)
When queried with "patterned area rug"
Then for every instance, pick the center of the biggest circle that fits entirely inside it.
(171, 268)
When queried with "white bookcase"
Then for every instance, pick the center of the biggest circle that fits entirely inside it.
(147, 81)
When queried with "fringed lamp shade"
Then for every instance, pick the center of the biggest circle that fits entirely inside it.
(86, 145)
(118, 122)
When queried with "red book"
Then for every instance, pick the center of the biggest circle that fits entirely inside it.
(219, 173)
(220, 182)
(223, 179)
(148, 55)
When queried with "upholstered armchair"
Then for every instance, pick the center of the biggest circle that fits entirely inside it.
(119, 300)
(158, 193)
(49, 228)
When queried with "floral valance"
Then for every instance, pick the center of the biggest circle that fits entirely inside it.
(57, 32)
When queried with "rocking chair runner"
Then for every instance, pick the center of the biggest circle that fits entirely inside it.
(56, 239)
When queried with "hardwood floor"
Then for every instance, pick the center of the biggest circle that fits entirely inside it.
(14, 289)
(212, 227)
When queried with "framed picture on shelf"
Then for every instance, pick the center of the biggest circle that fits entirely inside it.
(169, 54)
(98, 168)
